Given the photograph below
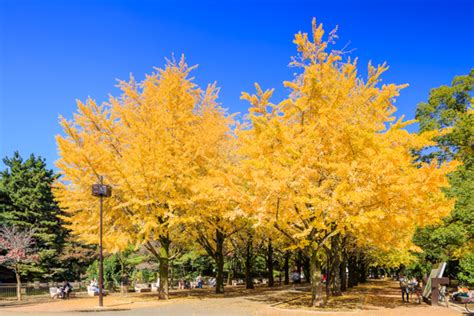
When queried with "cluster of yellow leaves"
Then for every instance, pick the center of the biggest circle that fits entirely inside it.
(158, 145)
(331, 159)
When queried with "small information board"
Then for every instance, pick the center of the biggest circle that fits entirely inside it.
(101, 190)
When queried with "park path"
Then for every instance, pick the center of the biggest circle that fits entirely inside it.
(371, 299)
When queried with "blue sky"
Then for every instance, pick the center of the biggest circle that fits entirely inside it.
(54, 52)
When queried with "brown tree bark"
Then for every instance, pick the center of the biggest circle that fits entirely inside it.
(305, 265)
(328, 276)
(248, 264)
(216, 252)
(220, 261)
(164, 267)
(343, 272)
(298, 266)
(362, 269)
(352, 266)
(232, 270)
(286, 267)
(316, 285)
(229, 278)
(335, 280)
(271, 281)
(18, 285)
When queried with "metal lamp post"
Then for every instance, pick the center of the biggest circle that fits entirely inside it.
(101, 190)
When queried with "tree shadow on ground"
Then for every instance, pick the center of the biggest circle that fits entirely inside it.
(386, 294)
(205, 293)
(24, 302)
(373, 295)
(229, 292)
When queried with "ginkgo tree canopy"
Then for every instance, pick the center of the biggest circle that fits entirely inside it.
(333, 159)
(151, 144)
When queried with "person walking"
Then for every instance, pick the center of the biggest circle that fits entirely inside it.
(403, 281)
(199, 281)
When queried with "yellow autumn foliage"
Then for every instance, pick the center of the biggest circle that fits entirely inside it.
(333, 159)
(156, 145)
(330, 160)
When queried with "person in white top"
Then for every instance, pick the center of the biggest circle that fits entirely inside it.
(94, 285)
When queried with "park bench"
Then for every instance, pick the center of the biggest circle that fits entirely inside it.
(142, 287)
(53, 292)
(237, 282)
(91, 291)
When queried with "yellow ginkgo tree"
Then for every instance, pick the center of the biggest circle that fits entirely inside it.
(152, 144)
(331, 159)
(216, 214)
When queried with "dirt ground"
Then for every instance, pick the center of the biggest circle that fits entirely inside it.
(374, 298)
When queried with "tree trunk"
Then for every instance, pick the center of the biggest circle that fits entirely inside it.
(18, 285)
(231, 274)
(343, 272)
(316, 285)
(305, 266)
(248, 264)
(328, 275)
(271, 281)
(171, 274)
(335, 268)
(229, 277)
(352, 262)
(164, 266)
(298, 266)
(336, 279)
(287, 267)
(220, 261)
(351, 277)
(362, 269)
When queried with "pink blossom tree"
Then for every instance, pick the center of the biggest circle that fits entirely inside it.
(16, 250)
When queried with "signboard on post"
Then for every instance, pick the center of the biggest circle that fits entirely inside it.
(101, 190)
(436, 272)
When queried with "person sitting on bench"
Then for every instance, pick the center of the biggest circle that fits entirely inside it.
(65, 290)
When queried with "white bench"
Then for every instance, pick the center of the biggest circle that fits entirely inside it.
(93, 291)
(237, 282)
(53, 292)
(142, 287)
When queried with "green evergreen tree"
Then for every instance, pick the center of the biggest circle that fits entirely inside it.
(451, 107)
(26, 201)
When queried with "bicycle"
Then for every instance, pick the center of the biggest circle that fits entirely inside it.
(442, 297)
(414, 289)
